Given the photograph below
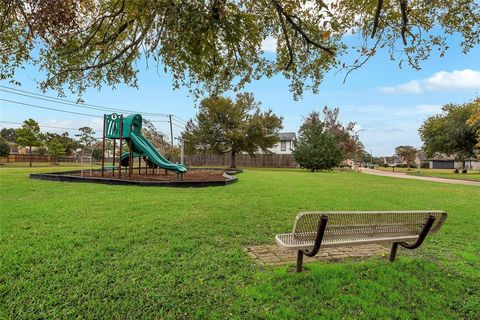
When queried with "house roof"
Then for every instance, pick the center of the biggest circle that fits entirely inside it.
(289, 136)
(449, 157)
(421, 156)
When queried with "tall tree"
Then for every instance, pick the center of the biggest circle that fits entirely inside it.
(474, 122)
(55, 148)
(317, 148)
(69, 144)
(29, 136)
(222, 126)
(154, 135)
(449, 132)
(217, 44)
(86, 137)
(4, 147)
(407, 154)
(8, 134)
(348, 141)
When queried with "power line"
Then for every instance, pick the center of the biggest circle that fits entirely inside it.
(180, 119)
(48, 108)
(178, 125)
(41, 125)
(48, 99)
(73, 103)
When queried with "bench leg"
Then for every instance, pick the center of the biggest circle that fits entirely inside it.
(423, 233)
(393, 253)
(299, 261)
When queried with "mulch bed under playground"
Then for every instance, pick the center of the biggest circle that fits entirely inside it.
(159, 175)
(193, 178)
(274, 255)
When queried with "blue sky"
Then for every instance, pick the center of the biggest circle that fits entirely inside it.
(389, 103)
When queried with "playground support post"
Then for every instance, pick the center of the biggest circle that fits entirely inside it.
(130, 158)
(120, 148)
(103, 146)
(113, 161)
(182, 150)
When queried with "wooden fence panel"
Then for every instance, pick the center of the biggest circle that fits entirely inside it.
(243, 160)
(35, 158)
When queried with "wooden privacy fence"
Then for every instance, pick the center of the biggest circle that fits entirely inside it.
(243, 160)
(35, 158)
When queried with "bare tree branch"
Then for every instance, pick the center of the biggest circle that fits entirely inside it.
(287, 40)
(299, 29)
(403, 8)
(377, 17)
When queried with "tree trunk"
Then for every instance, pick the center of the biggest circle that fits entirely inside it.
(30, 155)
(232, 160)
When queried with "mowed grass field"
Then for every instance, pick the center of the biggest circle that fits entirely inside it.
(126, 252)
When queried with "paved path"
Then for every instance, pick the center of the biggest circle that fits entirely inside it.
(404, 175)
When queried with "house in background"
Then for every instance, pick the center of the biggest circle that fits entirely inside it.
(450, 162)
(393, 160)
(421, 160)
(286, 143)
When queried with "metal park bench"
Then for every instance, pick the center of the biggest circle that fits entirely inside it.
(347, 228)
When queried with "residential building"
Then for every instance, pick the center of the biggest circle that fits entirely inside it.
(286, 143)
(421, 160)
(451, 162)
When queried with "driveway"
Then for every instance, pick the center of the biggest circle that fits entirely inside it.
(404, 175)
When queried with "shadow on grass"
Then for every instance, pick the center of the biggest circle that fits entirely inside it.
(375, 289)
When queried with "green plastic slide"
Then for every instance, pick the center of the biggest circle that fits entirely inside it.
(142, 146)
(131, 129)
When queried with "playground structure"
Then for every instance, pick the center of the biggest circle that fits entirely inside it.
(126, 135)
(129, 130)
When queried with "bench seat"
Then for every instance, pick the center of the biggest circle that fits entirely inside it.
(348, 228)
(291, 242)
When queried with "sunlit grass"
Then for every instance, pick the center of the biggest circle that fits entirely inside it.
(97, 251)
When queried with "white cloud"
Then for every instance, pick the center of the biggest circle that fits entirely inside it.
(269, 45)
(443, 80)
(421, 109)
(428, 108)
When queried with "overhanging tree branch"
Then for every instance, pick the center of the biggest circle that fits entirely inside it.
(295, 26)
(377, 17)
(287, 40)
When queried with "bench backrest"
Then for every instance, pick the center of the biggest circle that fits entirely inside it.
(369, 224)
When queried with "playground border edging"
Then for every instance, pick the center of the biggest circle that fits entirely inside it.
(66, 176)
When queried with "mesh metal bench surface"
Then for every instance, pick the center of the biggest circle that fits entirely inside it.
(342, 228)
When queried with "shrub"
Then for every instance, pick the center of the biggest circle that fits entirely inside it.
(455, 171)
(425, 165)
(4, 147)
(464, 170)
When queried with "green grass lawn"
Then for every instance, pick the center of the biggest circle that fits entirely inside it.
(99, 251)
(41, 164)
(473, 175)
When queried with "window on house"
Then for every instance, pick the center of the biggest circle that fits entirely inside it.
(283, 145)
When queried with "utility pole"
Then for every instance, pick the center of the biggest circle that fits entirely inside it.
(182, 150)
(171, 130)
